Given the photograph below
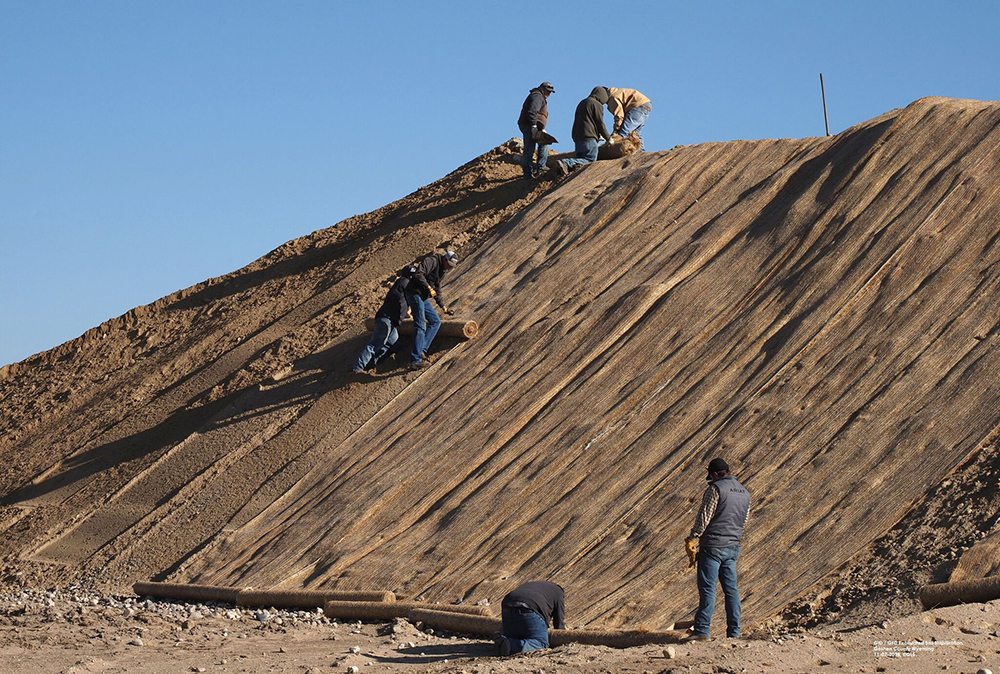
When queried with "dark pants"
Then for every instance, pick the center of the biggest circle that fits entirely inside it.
(717, 565)
(524, 629)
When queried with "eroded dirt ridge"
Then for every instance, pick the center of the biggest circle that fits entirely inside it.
(822, 312)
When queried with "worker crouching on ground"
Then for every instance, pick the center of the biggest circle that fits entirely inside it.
(526, 613)
(588, 127)
(386, 332)
(425, 283)
(718, 527)
(630, 109)
(534, 117)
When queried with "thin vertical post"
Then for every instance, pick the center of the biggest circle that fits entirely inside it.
(823, 91)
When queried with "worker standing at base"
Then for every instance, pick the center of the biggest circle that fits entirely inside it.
(526, 613)
(534, 116)
(588, 128)
(718, 528)
(630, 109)
(394, 310)
(425, 283)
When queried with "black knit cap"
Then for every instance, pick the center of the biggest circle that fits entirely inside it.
(717, 466)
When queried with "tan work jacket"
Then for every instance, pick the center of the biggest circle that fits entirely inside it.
(623, 100)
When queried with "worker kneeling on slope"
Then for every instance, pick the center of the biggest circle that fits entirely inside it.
(719, 525)
(425, 283)
(588, 127)
(386, 332)
(526, 613)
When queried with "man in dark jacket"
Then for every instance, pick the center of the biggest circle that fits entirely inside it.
(425, 283)
(526, 613)
(588, 127)
(386, 332)
(719, 525)
(534, 117)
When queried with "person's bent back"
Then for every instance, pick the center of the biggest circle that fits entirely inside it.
(526, 614)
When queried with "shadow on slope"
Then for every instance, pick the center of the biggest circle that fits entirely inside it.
(804, 308)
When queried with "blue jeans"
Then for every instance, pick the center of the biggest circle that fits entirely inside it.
(529, 154)
(524, 629)
(384, 337)
(586, 152)
(717, 564)
(425, 325)
(635, 119)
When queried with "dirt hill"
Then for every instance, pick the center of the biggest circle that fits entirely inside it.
(821, 312)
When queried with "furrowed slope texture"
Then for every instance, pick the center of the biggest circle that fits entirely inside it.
(126, 449)
(821, 312)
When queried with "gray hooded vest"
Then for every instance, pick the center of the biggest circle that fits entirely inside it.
(726, 527)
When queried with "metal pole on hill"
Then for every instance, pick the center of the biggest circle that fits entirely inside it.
(823, 91)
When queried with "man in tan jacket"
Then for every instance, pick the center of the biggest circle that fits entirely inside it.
(630, 109)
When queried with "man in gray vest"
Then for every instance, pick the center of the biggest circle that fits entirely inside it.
(719, 525)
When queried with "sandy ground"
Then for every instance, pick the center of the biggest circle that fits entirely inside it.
(143, 448)
(64, 632)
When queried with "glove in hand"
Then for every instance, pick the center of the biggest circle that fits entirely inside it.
(691, 547)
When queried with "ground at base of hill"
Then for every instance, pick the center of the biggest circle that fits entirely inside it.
(48, 632)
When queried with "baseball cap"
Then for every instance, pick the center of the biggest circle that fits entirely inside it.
(547, 86)
(717, 466)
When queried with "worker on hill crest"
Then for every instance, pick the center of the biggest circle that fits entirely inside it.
(718, 528)
(630, 109)
(534, 117)
(588, 128)
(424, 284)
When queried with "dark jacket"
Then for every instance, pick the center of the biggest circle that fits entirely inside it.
(394, 307)
(544, 598)
(534, 112)
(726, 527)
(428, 274)
(589, 119)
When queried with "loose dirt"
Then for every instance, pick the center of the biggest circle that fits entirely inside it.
(821, 312)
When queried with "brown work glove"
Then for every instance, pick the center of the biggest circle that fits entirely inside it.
(691, 547)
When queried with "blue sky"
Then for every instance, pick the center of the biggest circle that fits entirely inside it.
(147, 146)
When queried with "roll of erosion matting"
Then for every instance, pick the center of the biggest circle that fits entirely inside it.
(186, 592)
(307, 598)
(460, 623)
(363, 610)
(960, 592)
(460, 329)
(613, 638)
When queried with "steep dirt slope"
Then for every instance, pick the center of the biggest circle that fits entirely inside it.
(822, 312)
(129, 447)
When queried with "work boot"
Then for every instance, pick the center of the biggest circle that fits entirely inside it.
(419, 365)
(695, 637)
(503, 646)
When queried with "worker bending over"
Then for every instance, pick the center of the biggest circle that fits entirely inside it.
(386, 332)
(425, 283)
(526, 613)
(630, 109)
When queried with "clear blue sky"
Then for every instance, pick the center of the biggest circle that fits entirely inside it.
(147, 146)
